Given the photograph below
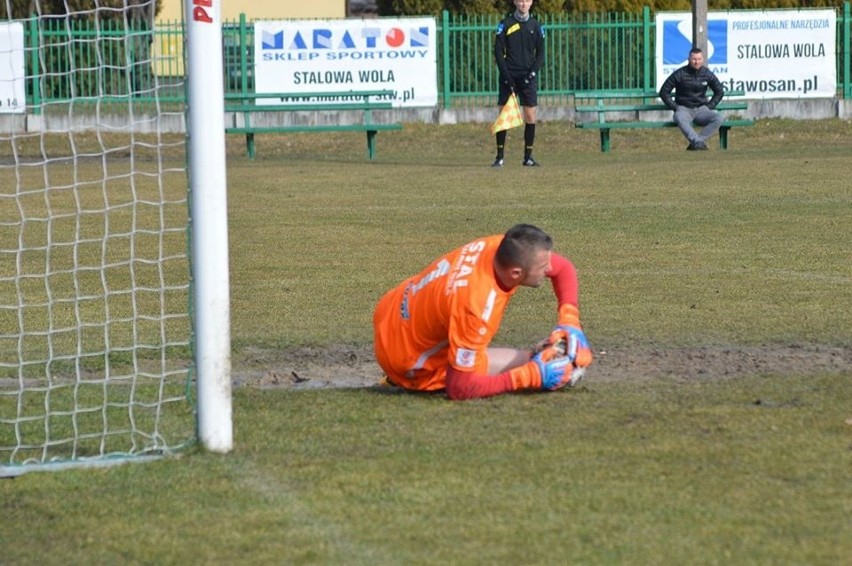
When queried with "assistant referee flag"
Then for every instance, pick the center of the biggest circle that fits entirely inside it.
(509, 117)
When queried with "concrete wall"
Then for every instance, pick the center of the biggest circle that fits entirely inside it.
(806, 109)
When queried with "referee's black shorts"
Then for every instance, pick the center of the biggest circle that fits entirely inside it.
(527, 92)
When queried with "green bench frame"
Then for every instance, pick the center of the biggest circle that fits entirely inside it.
(247, 104)
(604, 102)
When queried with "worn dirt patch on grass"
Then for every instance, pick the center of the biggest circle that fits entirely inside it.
(348, 366)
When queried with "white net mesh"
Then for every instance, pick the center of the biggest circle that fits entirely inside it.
(95, 329)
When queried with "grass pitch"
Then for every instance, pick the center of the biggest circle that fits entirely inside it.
(744, 247)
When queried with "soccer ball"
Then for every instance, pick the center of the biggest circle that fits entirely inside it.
(577, 373)
(576, 376)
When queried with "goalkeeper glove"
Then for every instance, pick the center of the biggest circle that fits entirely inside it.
(578, 349)
(548, 369)
(554, 368)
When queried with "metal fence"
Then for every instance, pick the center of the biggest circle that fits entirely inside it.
(584, 52)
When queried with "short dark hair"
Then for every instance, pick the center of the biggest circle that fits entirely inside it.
(695, 50)
(519, 244)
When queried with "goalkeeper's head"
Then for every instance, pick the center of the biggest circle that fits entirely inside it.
(523, 257)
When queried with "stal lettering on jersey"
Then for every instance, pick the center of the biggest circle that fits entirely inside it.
(465, 263)
(447, 313)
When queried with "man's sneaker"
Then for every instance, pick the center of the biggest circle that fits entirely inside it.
(699, 145)
(498, 162)
(530, 162)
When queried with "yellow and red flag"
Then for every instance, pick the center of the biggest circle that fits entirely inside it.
(509, 117)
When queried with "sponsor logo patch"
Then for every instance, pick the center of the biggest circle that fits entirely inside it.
(465, 358)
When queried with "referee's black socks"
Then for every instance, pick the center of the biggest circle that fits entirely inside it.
(529, 140)
(501, 143)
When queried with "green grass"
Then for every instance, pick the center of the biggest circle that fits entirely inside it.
(752, 472)
(745, 247)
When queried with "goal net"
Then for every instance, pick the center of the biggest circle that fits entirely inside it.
(95, 323)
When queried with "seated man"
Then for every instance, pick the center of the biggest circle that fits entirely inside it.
(433, 330)
(690, 104)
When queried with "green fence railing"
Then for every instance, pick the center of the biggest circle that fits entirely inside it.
(584, 52)
(110, 59)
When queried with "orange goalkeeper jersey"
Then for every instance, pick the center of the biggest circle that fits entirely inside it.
(447, 313)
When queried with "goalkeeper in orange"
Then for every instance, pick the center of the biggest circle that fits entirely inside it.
(433, 331)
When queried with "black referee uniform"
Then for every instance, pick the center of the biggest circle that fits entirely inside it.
(519, 53)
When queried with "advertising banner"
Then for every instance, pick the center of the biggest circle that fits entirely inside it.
(767, 54)
(12, 73)
(334, 56)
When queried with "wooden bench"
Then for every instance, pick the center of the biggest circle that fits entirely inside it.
(245, 105)
(632, 103)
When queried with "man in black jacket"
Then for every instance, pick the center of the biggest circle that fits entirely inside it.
(519, 52)
(690, 103)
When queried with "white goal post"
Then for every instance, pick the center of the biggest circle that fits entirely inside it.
(114, 281)
(209, 206)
